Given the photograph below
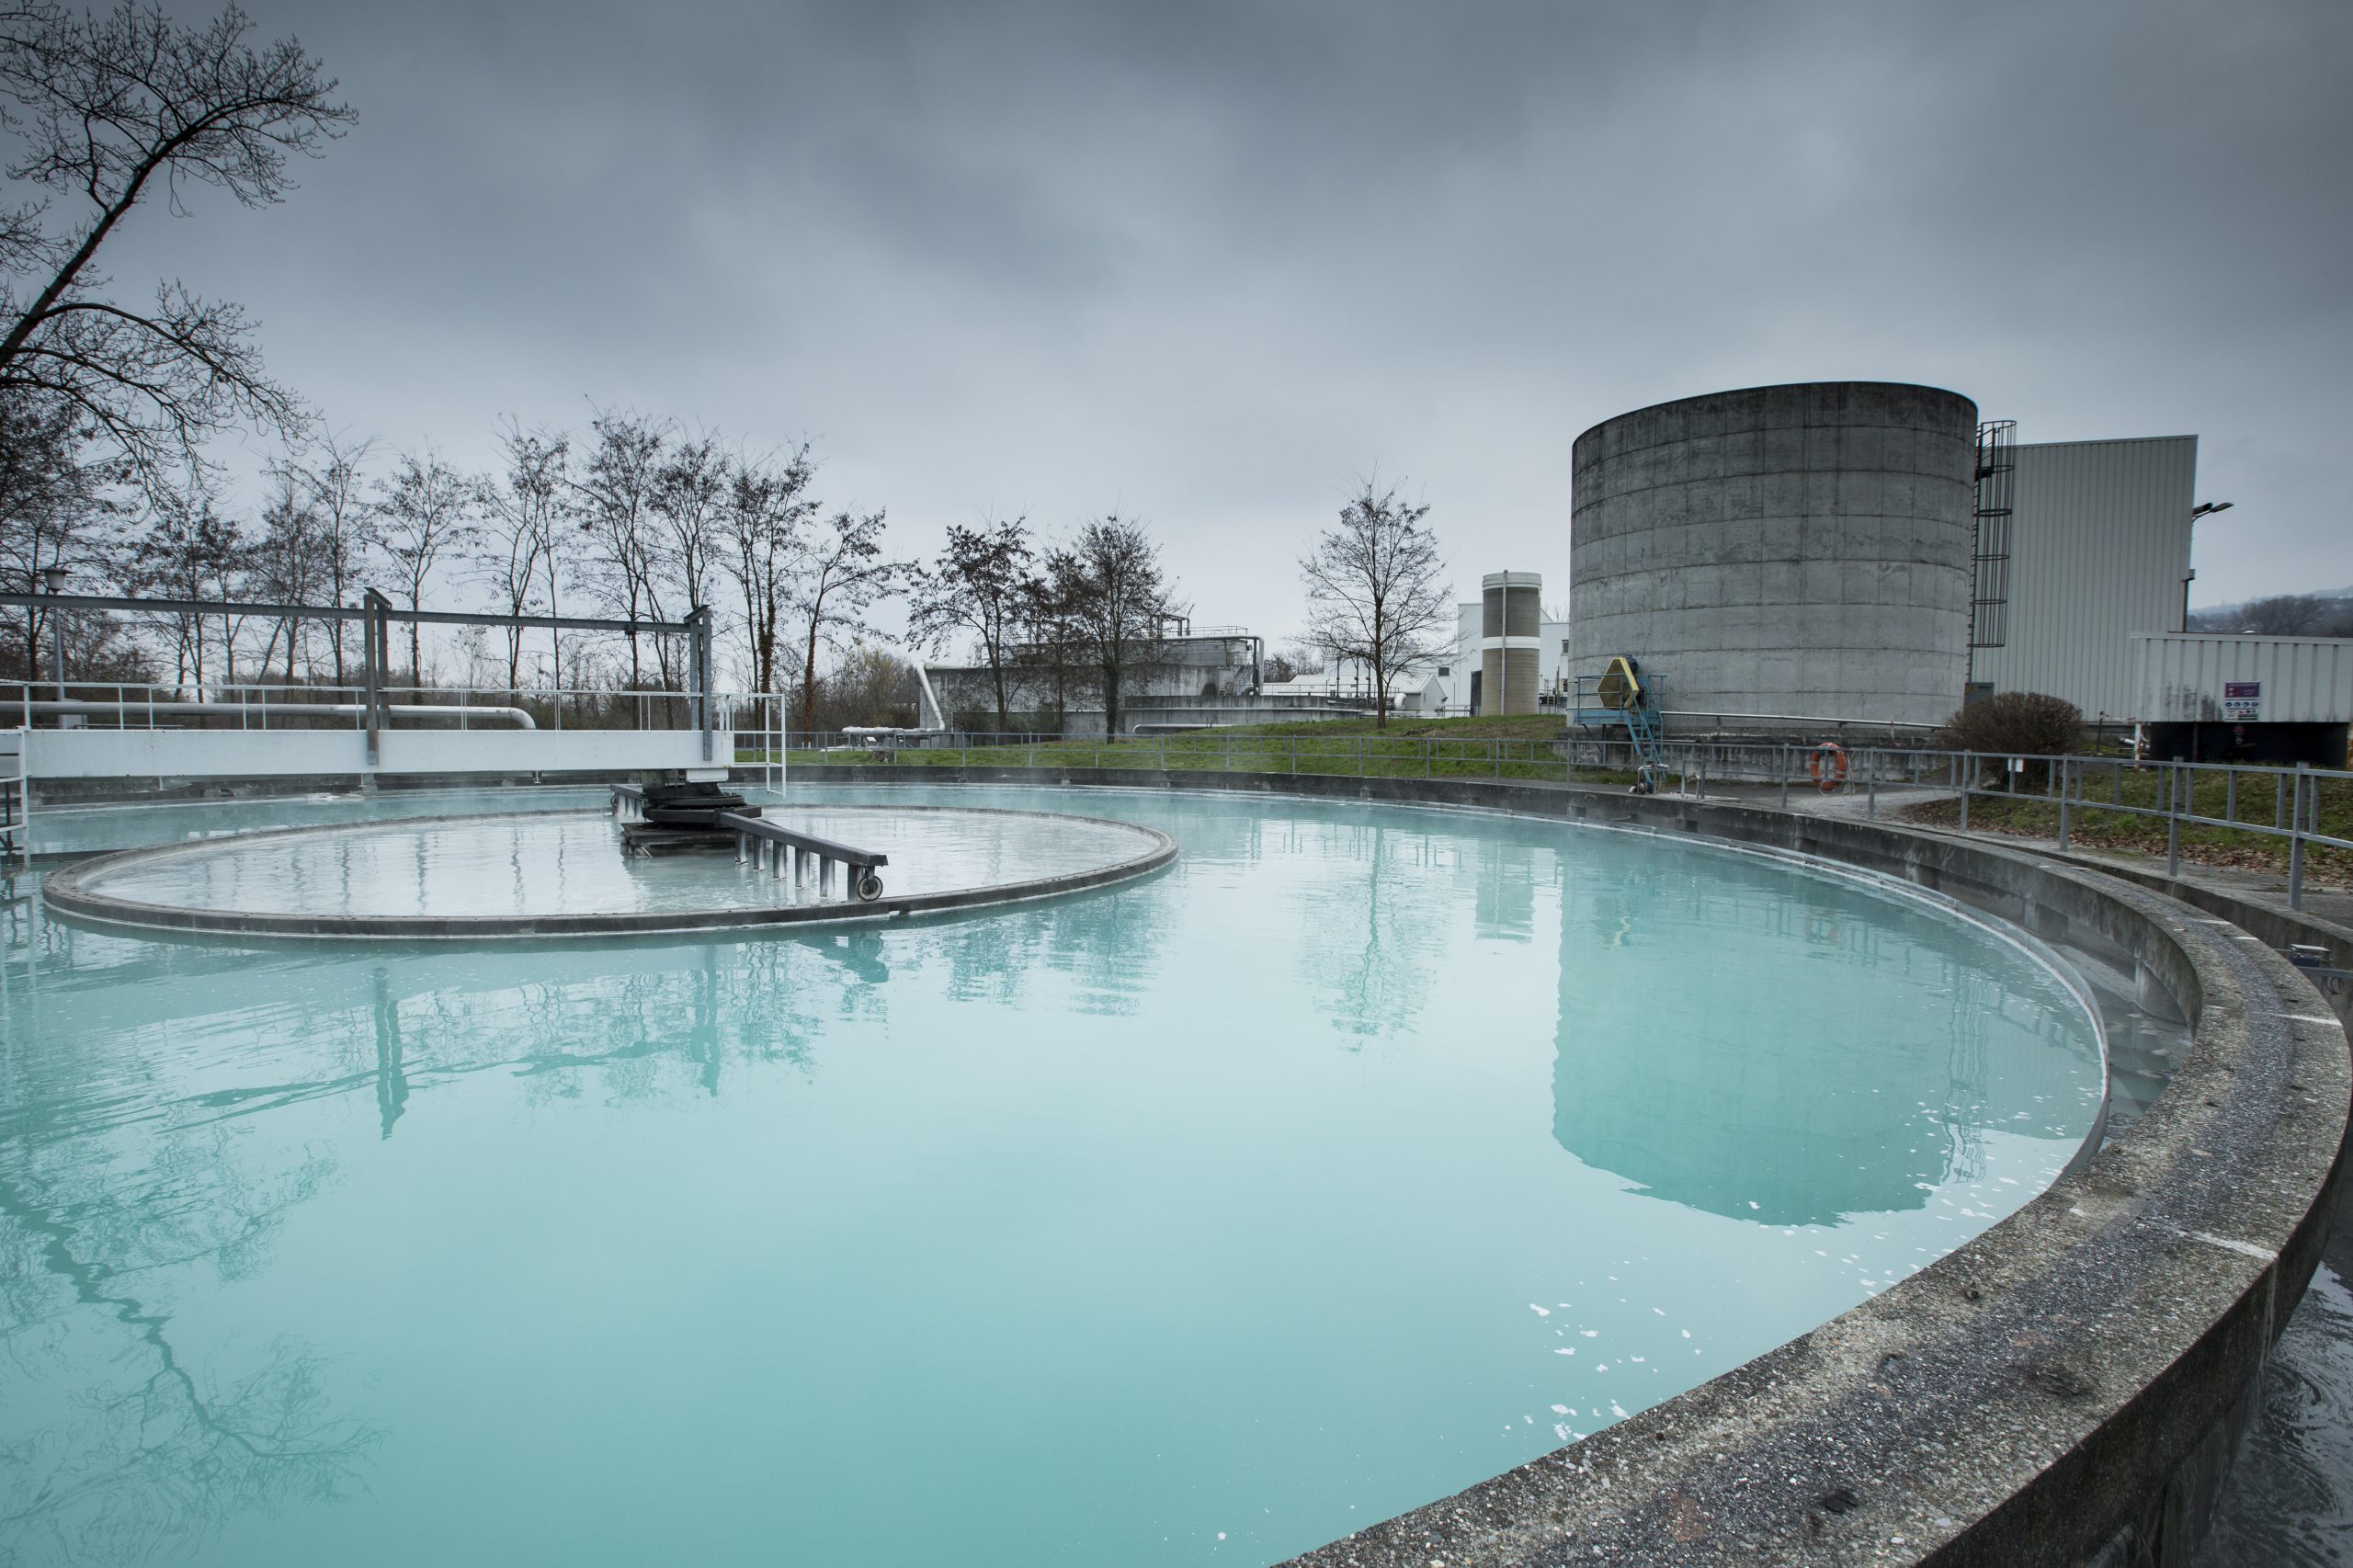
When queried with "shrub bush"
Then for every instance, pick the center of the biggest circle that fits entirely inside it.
(2016, 721)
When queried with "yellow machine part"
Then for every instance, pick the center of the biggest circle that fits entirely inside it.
(1619, 686)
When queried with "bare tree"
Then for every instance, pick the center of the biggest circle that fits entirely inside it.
(287, 560)
(870, 685)
(2292, 615)
(1111, 584)
(975, 587)
(1049, 649)
(614, 505)
(111, 107)
(332, 471)
(767, 508)
(690, 490)
(188, 551)
(50, 499)
(427, 517)
(1376, 590)
(841, 574)
(524, 513)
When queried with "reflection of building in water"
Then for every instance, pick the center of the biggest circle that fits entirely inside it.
(1505, 906)
(1703, 1092)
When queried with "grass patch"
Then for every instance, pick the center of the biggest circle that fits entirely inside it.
(1448, 748)
(2254, 800)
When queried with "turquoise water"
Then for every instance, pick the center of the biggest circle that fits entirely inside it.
(1364, 1153)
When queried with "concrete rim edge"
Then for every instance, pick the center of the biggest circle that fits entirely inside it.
(67, 890)
(2028, 1399)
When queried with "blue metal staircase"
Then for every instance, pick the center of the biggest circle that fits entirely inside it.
(1620, 696)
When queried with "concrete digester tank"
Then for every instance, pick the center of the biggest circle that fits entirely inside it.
(1790, 552)
(1511, 623)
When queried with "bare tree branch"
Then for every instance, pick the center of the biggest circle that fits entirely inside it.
(1376, 590)
(108, 107)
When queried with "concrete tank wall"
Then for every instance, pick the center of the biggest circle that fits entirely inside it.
(1780, 550)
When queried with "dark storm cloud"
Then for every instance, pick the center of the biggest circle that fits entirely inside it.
(1212, 263)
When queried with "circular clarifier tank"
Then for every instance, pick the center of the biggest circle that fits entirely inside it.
(1363, 1154)
(541, 874)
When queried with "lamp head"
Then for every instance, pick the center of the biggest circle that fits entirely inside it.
(53, 578)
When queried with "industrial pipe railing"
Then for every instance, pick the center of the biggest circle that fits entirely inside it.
(788, 852)
(270, 706)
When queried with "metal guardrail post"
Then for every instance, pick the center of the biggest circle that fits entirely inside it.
(1870, 783)
(1785, 775)
(2065, 789)
(2296, 845)
(2172, 819)
(1966, 768)
(375, 637)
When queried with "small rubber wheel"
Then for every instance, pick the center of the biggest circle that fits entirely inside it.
(870, 887)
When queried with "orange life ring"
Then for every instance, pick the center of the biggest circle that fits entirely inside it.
(1829, 764)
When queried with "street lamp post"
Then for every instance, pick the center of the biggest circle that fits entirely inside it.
(2203, 509)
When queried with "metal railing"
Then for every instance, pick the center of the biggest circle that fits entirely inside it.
(261, 705)
(800, 858)
(2281, 804)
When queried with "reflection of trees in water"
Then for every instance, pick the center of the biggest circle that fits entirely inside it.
(1675, 1072)
(107, 1201)
(160, 1450)
(1372, 929)
(1106, 944)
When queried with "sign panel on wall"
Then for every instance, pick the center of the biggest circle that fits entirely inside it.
(2241, 700)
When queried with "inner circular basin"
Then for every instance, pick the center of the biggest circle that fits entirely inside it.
(1365, 1153)
(521, 867)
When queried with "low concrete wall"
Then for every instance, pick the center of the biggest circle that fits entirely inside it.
(343, 754)
(75, 891)
(2060, 1390)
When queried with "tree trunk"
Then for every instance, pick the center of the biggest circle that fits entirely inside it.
(996, 669)
(808, 676)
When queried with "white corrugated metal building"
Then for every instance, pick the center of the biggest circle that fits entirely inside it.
(2228, 677)
(2100, 556)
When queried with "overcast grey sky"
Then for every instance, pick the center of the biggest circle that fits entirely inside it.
(1211, 264)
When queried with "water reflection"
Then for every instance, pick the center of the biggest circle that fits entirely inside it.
(1672, 1077)
(149, 1444)
(392, 1082)
(1075, 1165)
(1371, 943)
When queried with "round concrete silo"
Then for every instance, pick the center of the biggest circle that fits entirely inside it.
(1794, 552)
(1511, 621)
